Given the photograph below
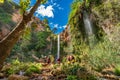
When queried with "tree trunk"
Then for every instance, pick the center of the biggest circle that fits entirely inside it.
(7, 43)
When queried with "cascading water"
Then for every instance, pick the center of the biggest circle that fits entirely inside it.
(87, 23)
(58, 46)
(88, 28)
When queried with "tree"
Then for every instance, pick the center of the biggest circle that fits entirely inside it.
(7, 43)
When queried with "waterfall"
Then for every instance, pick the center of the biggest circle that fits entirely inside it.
(88, 29)
(87, 23)
(58, 46)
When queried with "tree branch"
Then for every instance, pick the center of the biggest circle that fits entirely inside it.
(34, 8)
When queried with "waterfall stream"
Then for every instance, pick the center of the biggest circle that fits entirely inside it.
(87, 23)
(88, 29)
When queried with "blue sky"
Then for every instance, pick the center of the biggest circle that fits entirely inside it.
(56, 11)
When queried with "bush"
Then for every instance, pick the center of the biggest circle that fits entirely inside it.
(117, 70)
(27, 68)
(71, 77)
(10, 69)
(71, 69)
(103, 55)
(15, 62)
(32, 69)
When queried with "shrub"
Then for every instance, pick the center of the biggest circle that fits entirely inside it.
(102, 55)
(16, 66)
(71, 77)
(33, 68)
(117, 70)
(15, 62)
(70, 69)
(11, 70)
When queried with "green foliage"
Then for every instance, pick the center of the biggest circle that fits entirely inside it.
(30, 67)
(103, 54)
(71, 77)
(15, 62)
(8, 6)
(10, 71)
(6, 11)
(33, 69)
(5, 18)
(77, 26)
(117, 70)
(74, 69)
(108, 10)
(33, 42)
(89, 3)
(41, 41)
(79, 38)
(75, 5)
(24, 4)
(16, 66)
(71, 69)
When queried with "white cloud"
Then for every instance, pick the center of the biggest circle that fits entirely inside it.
(54, 4)
(51, 23)
(60, 8)
(55, 25)
(48, 11)
(64, 26)
(60, 27)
